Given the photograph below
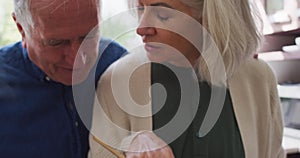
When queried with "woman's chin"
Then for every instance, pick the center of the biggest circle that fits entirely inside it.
(155, 58)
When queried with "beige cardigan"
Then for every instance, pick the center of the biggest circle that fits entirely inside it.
(253, 92)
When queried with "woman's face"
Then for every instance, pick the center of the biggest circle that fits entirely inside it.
(161, 25)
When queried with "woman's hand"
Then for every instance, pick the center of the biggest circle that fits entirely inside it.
(148, 145)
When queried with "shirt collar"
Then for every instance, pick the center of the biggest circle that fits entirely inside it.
(34, 69)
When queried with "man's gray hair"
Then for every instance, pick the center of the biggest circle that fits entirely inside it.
(22, 11)
(23, 14)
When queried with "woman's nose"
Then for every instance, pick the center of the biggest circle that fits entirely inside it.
(146, 25)
(146, 31)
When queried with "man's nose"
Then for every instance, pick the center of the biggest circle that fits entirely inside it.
(73, 54)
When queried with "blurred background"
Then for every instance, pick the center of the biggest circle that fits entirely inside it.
(8, 30)
(117, 23)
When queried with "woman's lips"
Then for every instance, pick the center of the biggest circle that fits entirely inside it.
(151, 47)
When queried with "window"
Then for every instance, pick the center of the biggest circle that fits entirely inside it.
(272, 6)
(281, 15)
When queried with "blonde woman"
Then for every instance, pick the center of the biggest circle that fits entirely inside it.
(223, 102)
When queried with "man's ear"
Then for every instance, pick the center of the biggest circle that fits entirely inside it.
(20, 29)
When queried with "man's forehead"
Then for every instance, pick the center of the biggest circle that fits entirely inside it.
(62, 14)
(55, 6)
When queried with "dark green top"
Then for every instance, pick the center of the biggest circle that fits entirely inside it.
(223, 141)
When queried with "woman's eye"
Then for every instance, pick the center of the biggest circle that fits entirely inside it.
(162, 13)
(162, 17)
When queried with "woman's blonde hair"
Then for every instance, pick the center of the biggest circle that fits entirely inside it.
(234, 26)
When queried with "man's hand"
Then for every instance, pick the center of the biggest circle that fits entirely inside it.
(148, 145)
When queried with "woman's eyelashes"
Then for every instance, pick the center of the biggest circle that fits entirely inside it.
(160, 13)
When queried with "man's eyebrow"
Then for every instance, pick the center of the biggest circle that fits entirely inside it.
(162, 5)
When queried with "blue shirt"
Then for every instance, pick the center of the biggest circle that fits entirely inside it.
(38, 117)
